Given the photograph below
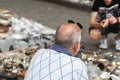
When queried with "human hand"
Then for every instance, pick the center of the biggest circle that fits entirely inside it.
(104, 23)
(112, 20)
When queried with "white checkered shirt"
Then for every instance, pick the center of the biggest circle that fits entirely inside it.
(48, 64)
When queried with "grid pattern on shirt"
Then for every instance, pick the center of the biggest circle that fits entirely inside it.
(50, 65)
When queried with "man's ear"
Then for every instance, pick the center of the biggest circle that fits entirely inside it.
(76, 47)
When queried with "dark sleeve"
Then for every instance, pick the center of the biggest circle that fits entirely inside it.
(119, 3)
(119, 7)
(95, 5)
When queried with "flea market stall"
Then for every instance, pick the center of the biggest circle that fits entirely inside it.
(20, 38)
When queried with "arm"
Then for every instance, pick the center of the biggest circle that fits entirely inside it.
(93, 22)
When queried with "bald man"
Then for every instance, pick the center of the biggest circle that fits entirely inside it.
(58, 62)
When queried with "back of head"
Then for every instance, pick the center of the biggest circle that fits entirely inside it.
(67, 34)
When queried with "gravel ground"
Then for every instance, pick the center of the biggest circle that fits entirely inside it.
(53, 14)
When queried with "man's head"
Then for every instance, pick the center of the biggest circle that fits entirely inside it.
(68, 35)
(107, 2)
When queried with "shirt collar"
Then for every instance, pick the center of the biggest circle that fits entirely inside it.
(60, 49)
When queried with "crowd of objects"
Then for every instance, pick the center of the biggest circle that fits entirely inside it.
(15, 58)
(20, 38)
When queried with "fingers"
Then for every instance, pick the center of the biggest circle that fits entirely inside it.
(104, 23)
(112, 20)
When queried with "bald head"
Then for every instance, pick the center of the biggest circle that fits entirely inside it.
(67, 34)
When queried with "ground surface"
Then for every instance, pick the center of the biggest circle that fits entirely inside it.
(52, 14)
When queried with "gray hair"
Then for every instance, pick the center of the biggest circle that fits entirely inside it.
(70, 40)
